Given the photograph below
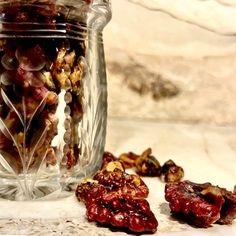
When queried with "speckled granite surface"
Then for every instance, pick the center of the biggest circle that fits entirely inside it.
(207, 153)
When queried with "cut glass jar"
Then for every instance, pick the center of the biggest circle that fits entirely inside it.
(53, 95)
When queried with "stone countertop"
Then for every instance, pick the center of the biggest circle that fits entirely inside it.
(207, 153)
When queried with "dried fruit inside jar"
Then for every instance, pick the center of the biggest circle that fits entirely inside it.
(40, 83)
(47, 73)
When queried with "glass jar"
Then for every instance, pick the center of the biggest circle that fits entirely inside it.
(53, 98)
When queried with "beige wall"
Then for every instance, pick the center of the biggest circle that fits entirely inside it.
(199, 62)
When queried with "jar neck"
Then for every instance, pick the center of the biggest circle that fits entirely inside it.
(60, 16)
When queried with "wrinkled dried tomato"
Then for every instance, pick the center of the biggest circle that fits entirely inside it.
(122, 210)
(118, 209)
(116, 198)
(201, 204)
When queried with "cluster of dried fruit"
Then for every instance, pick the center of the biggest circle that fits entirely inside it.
(31, 80)
(33, 75)
(116, 198)
(147, 165)
(112, 197)
(201, 204)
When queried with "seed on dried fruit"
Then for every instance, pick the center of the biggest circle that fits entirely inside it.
(114, 166)
(107, 157)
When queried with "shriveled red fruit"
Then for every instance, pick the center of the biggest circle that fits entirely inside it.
(122, 210)
(115, 178)
(115, 198)
(116, 207)
(89, 190)
(201, 204)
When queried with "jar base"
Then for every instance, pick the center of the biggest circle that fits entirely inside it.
(24, 187)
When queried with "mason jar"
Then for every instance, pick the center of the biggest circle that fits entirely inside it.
(53, 95)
